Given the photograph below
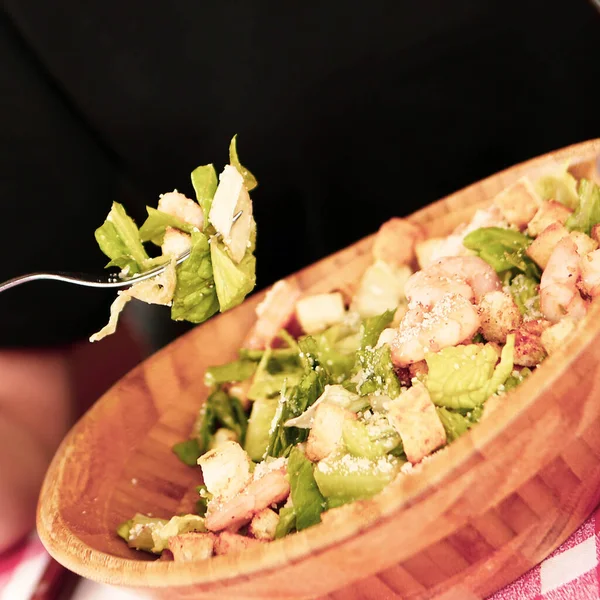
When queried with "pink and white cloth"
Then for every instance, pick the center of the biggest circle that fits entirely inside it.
(571, 572)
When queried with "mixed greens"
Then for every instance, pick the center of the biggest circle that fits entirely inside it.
(219, 231)
(331, 397)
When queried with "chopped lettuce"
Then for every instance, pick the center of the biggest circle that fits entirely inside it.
(219, 411)
(368, 440)
(376, 372)
(119, 239)
(233, 281)
(307, 499)
(154, 227)
(516, 378)
(249, 179)
(463, 377)
(503, 249)
(188, 452)
(456, 423)
(372, 327)
(237, 370)
(271, 374)
(204, 180)
(587, 212)
(202, 502)
(526, 294)
(287, 521)
(560, 186)
(195, 297)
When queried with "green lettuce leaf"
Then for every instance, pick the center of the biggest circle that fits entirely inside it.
(271, 374)
(286, 523)
(249, 179)
(308, 501)
(219, 410)
(237, 370)
(463, 377)
(233, 281)
(560, 186)
(154, 227)
(587, 213)
(525, 293)
(195, 297)
(455, 423)
(119, 239)
(503, 249)
(368, 440)
(204, 180)
(372, 327)
(376, 372)
(515, 379)
(188, 452)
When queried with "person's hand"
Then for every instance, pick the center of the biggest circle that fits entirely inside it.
(42, 393)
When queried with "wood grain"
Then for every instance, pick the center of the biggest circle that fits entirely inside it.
(478, 515)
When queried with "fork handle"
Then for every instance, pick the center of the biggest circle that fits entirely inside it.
(66, 278)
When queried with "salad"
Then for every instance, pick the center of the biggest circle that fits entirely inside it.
(334, 396)
(218, 229)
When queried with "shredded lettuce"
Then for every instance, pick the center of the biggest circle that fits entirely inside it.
(119, 239)
(307, 500)
(154, 227)
(503, 249)
(204, 180)
(587, 212)
(286, 523)
(560, 186)
(188, 452)
(463, 377)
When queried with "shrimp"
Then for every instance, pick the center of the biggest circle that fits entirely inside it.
(180, 206)
(590, 273)
(271, 488)
(467, 276)
(452, 320)
(559, 294)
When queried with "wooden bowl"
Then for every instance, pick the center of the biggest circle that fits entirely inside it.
(482, 512)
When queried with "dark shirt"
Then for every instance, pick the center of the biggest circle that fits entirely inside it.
(347, 112)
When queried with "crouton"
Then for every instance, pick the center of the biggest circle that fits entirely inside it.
(396, 240)
(542, 247)
(519, 202)
(188, 547)
(316, 313)
(418, 369)
(326, 431)
(264, 524)
(427, 250)
(585, 244)
(230, 543)
(554, 337)
(274, 313)
(499, 316)
(414, 417)
(548, 213)
(595, 233)
(529, 350)
(226, 470)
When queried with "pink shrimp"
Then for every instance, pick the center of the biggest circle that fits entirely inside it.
(590, 273)
(271, 488)
(559, 295)
(467, 276)
(452, 320)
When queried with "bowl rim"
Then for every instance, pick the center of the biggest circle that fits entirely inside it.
(359, 516)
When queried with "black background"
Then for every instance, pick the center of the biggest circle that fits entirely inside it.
(347, 112)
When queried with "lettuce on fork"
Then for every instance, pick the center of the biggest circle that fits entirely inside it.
(221, 268)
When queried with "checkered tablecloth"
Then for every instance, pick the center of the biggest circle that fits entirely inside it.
(571, 572)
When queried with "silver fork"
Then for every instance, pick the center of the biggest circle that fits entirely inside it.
(105, 280)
